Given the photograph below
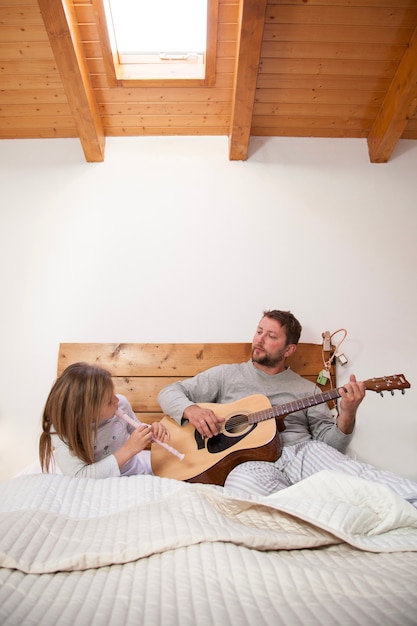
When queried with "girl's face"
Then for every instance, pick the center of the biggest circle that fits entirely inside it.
(109, 406)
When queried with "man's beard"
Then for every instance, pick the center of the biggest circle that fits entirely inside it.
(267, 359)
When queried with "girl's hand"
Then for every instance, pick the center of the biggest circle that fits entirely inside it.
(138, 441)
(140, 438)
(159, 431)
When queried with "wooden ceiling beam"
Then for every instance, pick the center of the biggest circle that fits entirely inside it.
(251, 28)
(62, 28)
(399, 104)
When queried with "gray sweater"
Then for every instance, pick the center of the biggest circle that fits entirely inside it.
(229, 383)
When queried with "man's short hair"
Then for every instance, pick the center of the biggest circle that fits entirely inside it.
(289, 323)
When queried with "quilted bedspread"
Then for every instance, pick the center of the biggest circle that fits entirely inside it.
(147, 551)
(55, 523)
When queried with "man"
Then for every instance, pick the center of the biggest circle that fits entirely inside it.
(312, 440)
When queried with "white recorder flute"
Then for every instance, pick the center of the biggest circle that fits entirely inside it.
(132, 422)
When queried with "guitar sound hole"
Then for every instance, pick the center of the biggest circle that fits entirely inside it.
(236, 424)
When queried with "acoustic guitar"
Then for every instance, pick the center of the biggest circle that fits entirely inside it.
(248, 433)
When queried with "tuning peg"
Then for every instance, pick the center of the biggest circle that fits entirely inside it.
(392, 392)
(381, 394)
(403, 391)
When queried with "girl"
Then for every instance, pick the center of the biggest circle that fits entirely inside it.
(82, 433)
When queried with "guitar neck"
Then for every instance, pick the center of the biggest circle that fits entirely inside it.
(291, 407)
(386, 383)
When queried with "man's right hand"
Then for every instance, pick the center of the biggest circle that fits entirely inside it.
(204, 420)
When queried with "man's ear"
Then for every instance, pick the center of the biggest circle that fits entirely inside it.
(290, 349)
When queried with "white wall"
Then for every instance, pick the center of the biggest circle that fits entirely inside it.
(169, 241)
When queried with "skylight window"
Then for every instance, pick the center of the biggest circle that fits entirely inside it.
(169, 40)
(163, 27)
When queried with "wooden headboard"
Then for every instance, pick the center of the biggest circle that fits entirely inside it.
(141, 370)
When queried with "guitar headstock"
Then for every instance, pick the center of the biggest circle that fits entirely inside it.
(387, 383)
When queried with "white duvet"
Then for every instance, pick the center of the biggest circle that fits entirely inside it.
(146, 551)
(55, 523)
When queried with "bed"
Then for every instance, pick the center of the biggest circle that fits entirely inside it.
(151, 550)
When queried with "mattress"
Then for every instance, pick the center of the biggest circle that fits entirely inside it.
(332, 549)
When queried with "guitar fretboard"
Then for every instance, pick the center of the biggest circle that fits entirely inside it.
(386, 383)
(291, 407)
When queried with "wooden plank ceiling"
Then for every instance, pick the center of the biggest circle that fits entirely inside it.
(295, 68)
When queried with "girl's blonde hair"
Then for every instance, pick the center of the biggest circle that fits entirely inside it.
(72, 411)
